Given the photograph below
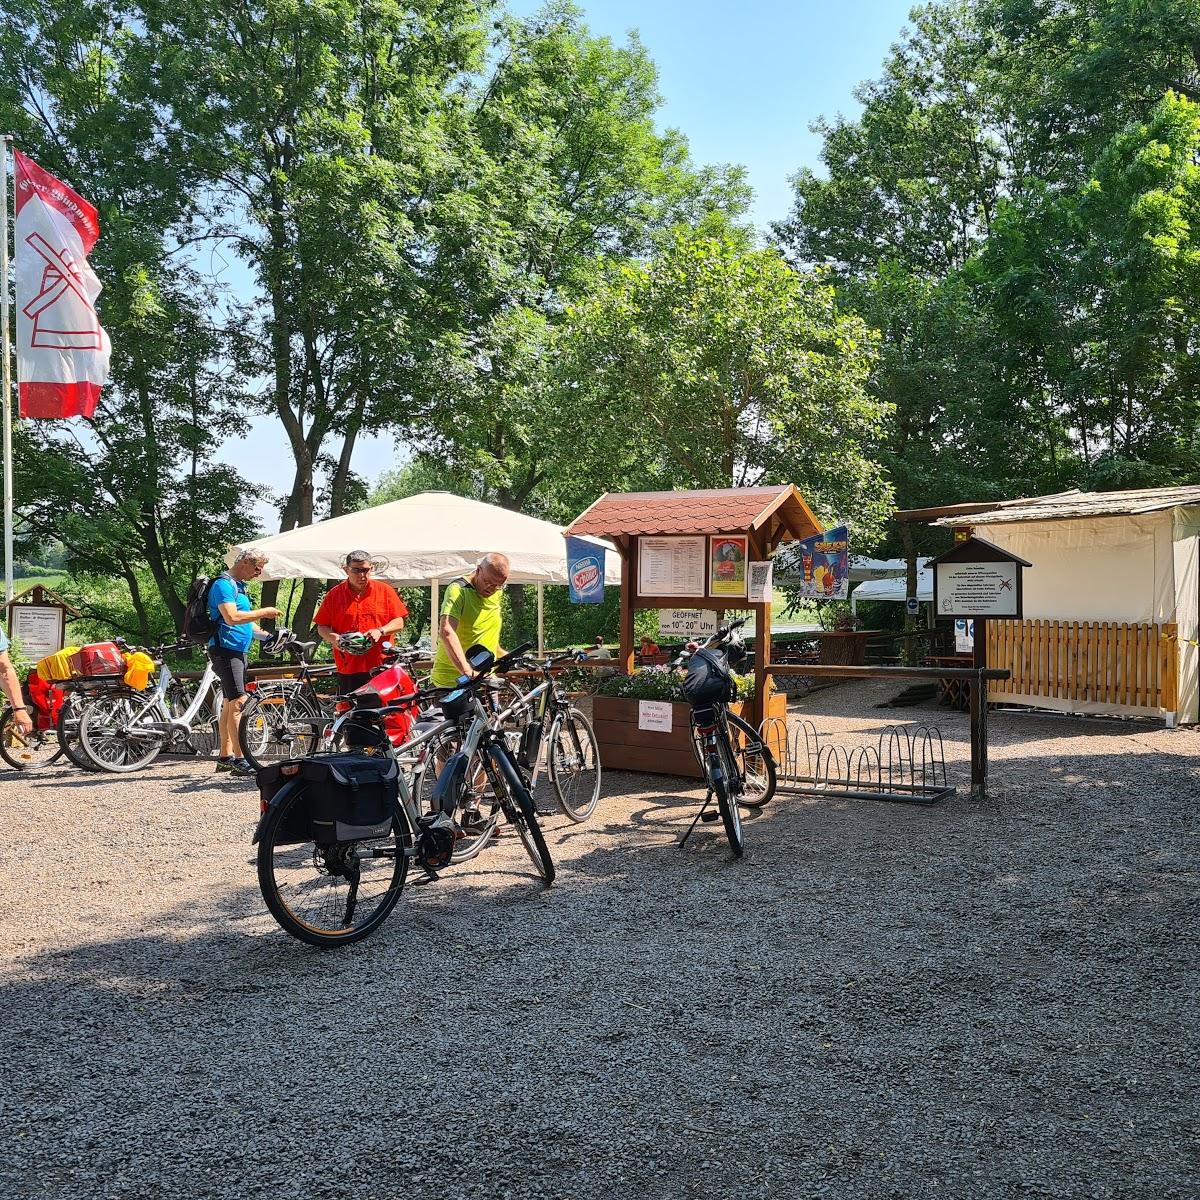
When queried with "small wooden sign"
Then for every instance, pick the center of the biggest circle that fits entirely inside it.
(977, 579)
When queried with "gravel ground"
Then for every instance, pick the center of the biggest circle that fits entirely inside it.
(969, 1000)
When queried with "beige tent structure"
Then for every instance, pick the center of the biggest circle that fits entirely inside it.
(425, 540)
(1111, 602)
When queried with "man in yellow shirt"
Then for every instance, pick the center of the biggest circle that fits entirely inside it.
(470, 615)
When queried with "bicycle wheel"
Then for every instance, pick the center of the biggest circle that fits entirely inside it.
(575, 765)
(518, 807)
(27, 751)
(115, 734)
(753, 761)
(719, 767)
(68, 732)
(478, 811)
(278, 725)
(330, 895)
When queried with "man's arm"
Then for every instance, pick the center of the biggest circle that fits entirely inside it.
(449, 635)
(12, 689)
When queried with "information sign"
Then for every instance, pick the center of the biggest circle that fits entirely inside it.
(687, 622)
(977, 589)
(655, 715)
(39, 628)
(671, 566)
(760, 589)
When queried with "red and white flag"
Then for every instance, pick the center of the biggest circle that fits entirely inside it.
(62, 353)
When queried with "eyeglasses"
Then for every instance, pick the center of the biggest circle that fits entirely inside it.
(360, 570)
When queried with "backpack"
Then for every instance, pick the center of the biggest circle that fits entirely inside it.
(198, 625)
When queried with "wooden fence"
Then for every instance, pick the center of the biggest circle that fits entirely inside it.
(1100, 661)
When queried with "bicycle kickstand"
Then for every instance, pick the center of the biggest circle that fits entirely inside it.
(700, 816)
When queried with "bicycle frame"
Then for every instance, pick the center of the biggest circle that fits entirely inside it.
(156, 704)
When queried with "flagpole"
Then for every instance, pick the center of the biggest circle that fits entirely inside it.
(6, 147)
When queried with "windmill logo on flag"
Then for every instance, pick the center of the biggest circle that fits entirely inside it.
(62, 304)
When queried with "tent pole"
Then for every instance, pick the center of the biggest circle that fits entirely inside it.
(434, 605)
(541, 618)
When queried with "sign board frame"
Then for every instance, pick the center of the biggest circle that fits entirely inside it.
(974, 564)
(24, 621)
(694, 544)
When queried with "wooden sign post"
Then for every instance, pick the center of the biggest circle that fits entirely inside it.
(37, 620)
(977, 580)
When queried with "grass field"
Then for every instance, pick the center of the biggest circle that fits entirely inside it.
(25, 582)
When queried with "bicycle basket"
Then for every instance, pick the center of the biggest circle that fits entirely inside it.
(456, 704)
(707, 680)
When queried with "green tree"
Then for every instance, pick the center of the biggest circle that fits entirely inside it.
(714, 366)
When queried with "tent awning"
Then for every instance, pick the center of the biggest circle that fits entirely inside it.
(433, 535)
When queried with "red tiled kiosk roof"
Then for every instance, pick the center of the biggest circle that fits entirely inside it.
(715, 510)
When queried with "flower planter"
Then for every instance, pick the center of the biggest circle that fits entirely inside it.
(625, 747)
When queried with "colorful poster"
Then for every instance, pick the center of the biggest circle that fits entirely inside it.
(727, 564)
(825, 565)
(585, 571)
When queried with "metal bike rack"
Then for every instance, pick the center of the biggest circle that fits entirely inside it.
(907, 764)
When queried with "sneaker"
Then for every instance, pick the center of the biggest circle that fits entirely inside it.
(242, 766)
(225, 763)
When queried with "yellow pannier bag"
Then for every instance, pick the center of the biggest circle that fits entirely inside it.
(56, 667)
(138, 666)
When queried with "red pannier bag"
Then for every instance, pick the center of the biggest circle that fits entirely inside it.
(46, 700)
(391, 683)
(100, 658)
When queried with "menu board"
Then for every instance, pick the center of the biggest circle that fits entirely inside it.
(671, 566)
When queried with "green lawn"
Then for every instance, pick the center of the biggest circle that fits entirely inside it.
(24, 583)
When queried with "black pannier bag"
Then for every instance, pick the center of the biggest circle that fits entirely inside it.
(351, 797)
(708, 680)
(271, 780)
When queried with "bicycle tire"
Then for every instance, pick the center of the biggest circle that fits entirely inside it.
(306, 864)
(569, 764)
(111, 750)
(477, 811)
(68, 732)
(521, 813)
(278, 725)
(756, 768)
(731, 816)
(18, 749)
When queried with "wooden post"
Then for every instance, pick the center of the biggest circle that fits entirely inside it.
(628, 548)
(979, 759)
(757, 544)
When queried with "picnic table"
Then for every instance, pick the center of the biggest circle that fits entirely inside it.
(952, 693)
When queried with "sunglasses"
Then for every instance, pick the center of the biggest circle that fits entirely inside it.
(360, 570)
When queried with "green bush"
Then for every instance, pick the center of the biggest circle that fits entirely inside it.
(659, 683)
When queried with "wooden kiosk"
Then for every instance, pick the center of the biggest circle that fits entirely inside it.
(695, 550)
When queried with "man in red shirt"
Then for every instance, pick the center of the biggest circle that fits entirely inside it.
(359, 604)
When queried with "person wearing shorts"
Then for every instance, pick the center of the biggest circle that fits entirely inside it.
(229, 607)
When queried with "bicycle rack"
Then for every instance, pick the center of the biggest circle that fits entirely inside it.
(906, 765)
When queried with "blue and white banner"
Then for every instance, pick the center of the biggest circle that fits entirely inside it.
(585, 571)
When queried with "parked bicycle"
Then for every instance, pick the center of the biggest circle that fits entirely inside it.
(560, 738)
(123, 730)
(287, 718)
(338, 831)
(738, 766)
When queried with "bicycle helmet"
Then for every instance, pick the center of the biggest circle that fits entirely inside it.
(274, 642)
(355, 643)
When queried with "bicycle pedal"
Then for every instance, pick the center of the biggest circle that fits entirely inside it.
(710, 816)
(427, 878)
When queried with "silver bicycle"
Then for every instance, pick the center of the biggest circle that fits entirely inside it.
(124, 730)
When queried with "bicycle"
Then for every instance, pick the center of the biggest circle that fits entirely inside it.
(323, 890)
(740, 772)
(124, 730)
(559, 735)
(28, 751)
(286, 718)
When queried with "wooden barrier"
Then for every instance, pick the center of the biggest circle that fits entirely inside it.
(1101, 662)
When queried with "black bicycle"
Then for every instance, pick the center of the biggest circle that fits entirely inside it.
(738, 766)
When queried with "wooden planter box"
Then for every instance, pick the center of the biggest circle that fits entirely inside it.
(625, 747)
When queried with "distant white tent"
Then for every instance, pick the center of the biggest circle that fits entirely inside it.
(424, 540)
(894, 588)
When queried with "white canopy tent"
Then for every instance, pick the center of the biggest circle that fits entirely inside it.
(424, 540)
(894, 588)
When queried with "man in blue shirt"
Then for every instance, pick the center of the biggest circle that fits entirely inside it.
(229, 607)
(12, 689)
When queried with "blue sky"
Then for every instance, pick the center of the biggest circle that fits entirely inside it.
(743, 82)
